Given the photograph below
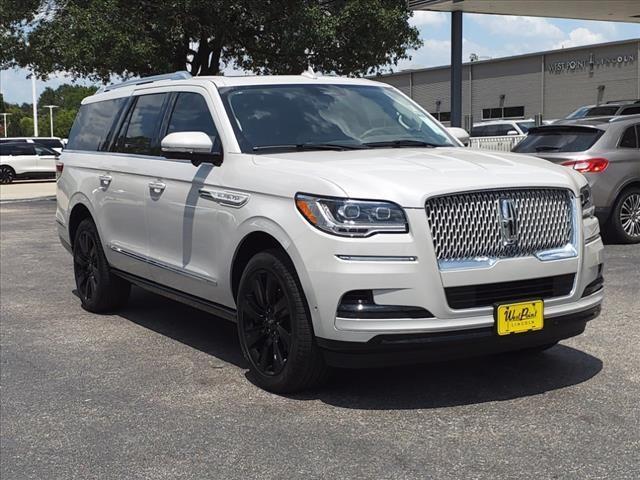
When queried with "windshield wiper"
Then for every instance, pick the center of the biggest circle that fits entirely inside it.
(299, 147)
(400, 143)
(546, 148)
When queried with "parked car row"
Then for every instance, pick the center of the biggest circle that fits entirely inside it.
(26, 159)
(607, 152)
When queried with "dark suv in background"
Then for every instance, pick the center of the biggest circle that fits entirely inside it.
(606, 151)
(609, 109)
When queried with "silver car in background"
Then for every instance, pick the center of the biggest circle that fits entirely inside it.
(606, 151)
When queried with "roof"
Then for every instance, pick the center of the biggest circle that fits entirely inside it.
(597, 122)
(179, 78)
(607, 10)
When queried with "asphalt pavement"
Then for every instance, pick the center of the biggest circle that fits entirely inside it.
(159, 391)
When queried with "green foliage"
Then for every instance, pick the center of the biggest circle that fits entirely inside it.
(99, 38)
(66, 97)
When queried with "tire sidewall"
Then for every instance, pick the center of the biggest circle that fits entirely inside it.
(11, 173)
(102, 276)
(615, 218)
(284, 272)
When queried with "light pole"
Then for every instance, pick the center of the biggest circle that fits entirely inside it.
(51, 107)
(5, 123)
(35, 104)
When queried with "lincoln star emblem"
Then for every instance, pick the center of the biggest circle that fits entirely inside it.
(508, 221)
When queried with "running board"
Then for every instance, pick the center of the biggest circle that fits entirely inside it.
(182, 297)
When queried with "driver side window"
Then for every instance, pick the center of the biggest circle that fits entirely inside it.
(191, 114)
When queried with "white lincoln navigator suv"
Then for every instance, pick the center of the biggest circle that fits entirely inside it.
(333, 219)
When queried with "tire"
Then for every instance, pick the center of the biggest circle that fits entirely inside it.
(274, 327)
(7, 174)
(99, 290)
(625, 216)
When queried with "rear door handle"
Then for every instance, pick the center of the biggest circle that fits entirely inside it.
(157, 187)
(105, 181)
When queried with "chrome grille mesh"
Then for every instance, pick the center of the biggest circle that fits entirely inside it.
(467, 225)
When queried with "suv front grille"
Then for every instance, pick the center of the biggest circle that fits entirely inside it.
(485, 295)
(469, 225)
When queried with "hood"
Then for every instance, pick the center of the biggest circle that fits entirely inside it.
(408, 176)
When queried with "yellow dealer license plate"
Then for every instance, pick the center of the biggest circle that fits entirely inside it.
(519, 317)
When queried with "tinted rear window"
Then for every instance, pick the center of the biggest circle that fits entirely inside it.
(630, 110)
(92, 127)
(558, 140)
(49, 142)
(602, 111)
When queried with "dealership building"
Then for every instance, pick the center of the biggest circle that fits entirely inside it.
(551, 83)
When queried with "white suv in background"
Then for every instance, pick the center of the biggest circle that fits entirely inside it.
(333, 219)
(500, 128)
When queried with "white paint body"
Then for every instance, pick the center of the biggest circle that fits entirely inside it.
(198, 238)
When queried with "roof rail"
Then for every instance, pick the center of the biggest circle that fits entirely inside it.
(180, 75)
(622, 118)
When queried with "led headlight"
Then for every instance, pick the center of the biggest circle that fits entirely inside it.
(586, 200)
(352, 218)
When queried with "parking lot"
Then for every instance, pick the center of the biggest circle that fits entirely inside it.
(159, 391)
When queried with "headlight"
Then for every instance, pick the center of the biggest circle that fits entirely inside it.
(586, 200)
(352, 218)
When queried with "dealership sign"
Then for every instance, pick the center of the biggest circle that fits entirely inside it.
(590, 63)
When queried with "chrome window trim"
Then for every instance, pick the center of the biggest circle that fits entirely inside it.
(160, 264)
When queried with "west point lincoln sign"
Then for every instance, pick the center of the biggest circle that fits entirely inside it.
(590, 64)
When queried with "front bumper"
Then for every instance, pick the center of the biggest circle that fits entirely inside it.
(418, 282)
(387, 350)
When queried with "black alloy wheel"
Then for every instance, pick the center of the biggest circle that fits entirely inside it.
(86, 266)
(7, 175)
(98, 288)
(266, 323)
(274, 326)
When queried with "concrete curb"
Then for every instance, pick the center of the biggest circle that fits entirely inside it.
(21, 200)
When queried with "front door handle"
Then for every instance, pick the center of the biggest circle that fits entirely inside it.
(157, 187)
(105, 181)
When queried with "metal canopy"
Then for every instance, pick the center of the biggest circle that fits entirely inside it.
(606, 10)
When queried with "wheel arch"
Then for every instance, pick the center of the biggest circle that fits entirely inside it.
(259, 234)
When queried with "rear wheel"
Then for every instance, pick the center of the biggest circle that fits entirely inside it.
(274, 326)
(625, 217)
(7, 174)
(98, 288)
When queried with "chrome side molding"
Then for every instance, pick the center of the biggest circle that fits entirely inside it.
(160, 264)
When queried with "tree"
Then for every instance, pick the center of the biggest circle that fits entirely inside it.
(99, 38)
(66, 97)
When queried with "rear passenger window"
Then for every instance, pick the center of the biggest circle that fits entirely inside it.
(629, 138)
(140, 136)
(26, 149)
(191, 114)
(92, 127)
(630, 111)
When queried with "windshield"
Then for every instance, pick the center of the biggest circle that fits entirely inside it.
(525, 126)
(558, 139)
(579, 113)
(288, 117)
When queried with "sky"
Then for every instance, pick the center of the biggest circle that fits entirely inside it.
(488, 36)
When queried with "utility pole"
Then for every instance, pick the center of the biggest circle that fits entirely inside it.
(51, 107)
(5, 123)
(35, 104)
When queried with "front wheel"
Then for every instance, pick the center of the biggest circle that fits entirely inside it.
(274, 326)
(625, 218)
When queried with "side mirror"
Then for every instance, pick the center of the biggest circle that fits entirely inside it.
(460, 134)
(195, 146)
(512, 132)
